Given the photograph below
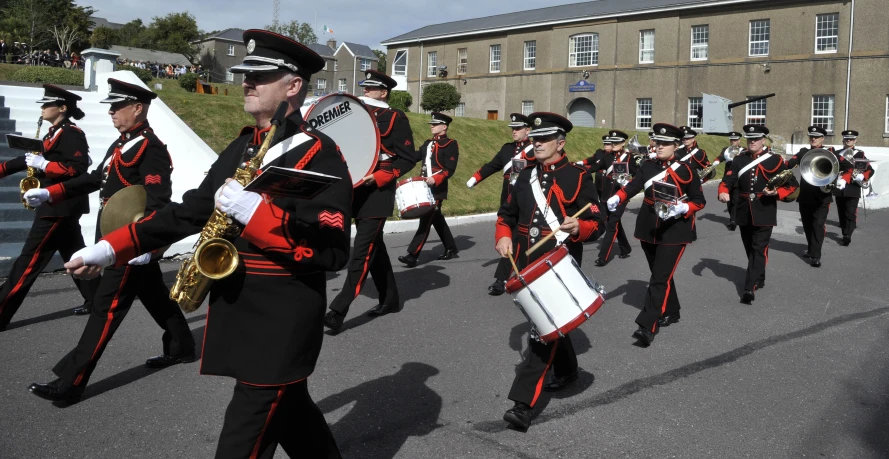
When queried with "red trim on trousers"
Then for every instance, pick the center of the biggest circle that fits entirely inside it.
(549, 363)
(268, 419)
(108, 319)
(667, 292)
(614, 238)
(18, 285)
(364, 270)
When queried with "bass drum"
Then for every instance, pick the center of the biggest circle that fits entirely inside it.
(346, 120)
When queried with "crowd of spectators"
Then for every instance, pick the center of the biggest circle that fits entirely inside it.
(159, 70)
(21, 53)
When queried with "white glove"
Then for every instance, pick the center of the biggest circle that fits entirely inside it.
(239, 204)
(143, 259)
(652, 155)
(471, 182)
(677, 210)
(613, 203)
(101, 255)
(36, 161)
(579, 163)
(841, 184)
(37, 196)
(859, 177)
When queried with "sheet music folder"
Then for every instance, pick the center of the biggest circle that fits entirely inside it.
(24, 143)
(281, 182)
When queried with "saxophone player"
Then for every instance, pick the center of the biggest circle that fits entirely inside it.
(266, 328)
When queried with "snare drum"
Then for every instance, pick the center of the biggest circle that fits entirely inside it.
(413, 197)
(555, 295)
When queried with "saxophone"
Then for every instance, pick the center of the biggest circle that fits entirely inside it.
(31, 181)
(215, 257)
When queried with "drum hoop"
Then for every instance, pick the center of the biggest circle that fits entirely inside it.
(373, 120)
(532, 272)
(409, 180)
(574, 323)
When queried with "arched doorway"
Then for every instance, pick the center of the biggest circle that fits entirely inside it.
(582, 112)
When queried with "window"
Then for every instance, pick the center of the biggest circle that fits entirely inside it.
(583, 50)
(756, 112)
(759, 37)
(694, 104)
(462, 61)
(321, 84)
(495, 59)
(700, 42)
(399, 64)
(336, 66)
(365, 64)
(431, 65)
(530, 55)
(229, 76)
(461, 109)
(643, 113)
(827, 32)
(646, 46)
(325, 65)
(231, 50)
(822, 112)
(527, 107)
(342, 85)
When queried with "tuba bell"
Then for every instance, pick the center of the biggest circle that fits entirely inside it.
(730, 153)
(637, 150)
(821, 168)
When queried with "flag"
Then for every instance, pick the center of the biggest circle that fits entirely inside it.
(327, 29)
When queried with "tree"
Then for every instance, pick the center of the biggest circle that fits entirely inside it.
(34, 20)
(133, 34)
(299, 31)
(103, 37)
(440, 97)
(381, 60)
(175, 33)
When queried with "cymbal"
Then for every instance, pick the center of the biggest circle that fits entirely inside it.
(125, 207)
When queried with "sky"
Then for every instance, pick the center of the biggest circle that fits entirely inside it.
(357, 21)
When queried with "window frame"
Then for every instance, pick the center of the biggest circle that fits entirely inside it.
(697, 46)
(432, 64)
(404, 52)
(231, 50)
(836, 37)
(229, 76)
(462, 54)
(525, 104)
(756, 118)
(640, 116)
(530, 45)
(491, 60)
(460, 110)
(831, 100)
(692, 120)
(319, 86)
(342, 85)
(573, 52)
(767, 41)
(642, 50)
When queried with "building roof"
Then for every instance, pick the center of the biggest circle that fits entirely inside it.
(322, 50)
(148, 55)
(236, 35)
(102, 22)
(358, 50)
(575, 12)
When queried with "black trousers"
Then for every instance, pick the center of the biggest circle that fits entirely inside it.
(432, 219)
(734, 196)
(847, 208)
(662, 297)
(119, 288)
(614, 232)
(756, 245)
(47, 236)
(369, 256)
(259, 418)
(814, 217)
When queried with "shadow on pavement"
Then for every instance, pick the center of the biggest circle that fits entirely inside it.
(518, 336)
(430, 253)
(714, 218)
(386, 412)
(67, 312)
(731, 273)
(788, 247)
(633, 293)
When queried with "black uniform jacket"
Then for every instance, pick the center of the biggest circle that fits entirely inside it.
(67, 151)
(397, 157)
(501, 160)
(649, 227)
(811, 194)
(264, 323)
(698, 160)
(443, 159)
(605, 184)
(753, 207)
(567, 188)
(137, 157)
(853, 189)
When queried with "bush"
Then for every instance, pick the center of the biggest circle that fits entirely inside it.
(189, 81)
(142, 74)
(440, 97)
(51, 75)
(401, 100)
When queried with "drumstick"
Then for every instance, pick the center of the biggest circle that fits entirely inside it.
(511, 261)
(550, 235)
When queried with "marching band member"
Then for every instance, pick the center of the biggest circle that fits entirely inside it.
(663, 240)
(372, 204)
(734, 139)
(138, 157)
(55, 228)
(264, 323)
(600, 159)
(440, 155)
(814, 204)
(757, 206)
(847, 198)
(652, 146)
(542, 201)
(519, 149)
(606, 186)
(695, 156)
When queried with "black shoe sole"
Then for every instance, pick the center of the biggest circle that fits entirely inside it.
(81, 312)
(564, 385)
(623, 256)
(514, 421)
(188, 359)
(747, 299)
(667, 323)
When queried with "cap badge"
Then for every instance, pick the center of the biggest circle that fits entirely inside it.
(368, 76)
(251, 46)
(751, 129)
(537, 121)
(613, 134)
(663, 130)
(513, 118)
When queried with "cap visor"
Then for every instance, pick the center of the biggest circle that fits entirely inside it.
(544, 132)
(259, 68)
(372, 84)
(517, 124)
(664, 138)
(113, 100)
(754, 136)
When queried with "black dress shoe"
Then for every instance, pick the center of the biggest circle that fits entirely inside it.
(497, 288)
(625, 254)
(645, 337)
(409, 260)
(732, 226)
(448, 254)
(846, 241)
(57, 391)
(519, 416)
(816, 263)
(556, 384)
(747, 297)
(382, 310)
(334, 320)
(82, 311)
(165, 360)
(805, 254)
(600, 262)
(761, 285)
(667, 319)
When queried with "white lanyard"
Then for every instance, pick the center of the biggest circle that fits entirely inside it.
(428, 162)
(518, 155)
(660, 176)
(753, 164)
(542, 203)
(688, 156)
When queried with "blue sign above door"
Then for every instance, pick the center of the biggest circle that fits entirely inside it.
(582, 86)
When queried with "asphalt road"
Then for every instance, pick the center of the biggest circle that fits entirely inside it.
(800, 373)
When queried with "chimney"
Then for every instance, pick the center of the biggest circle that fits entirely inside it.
(331, 44)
